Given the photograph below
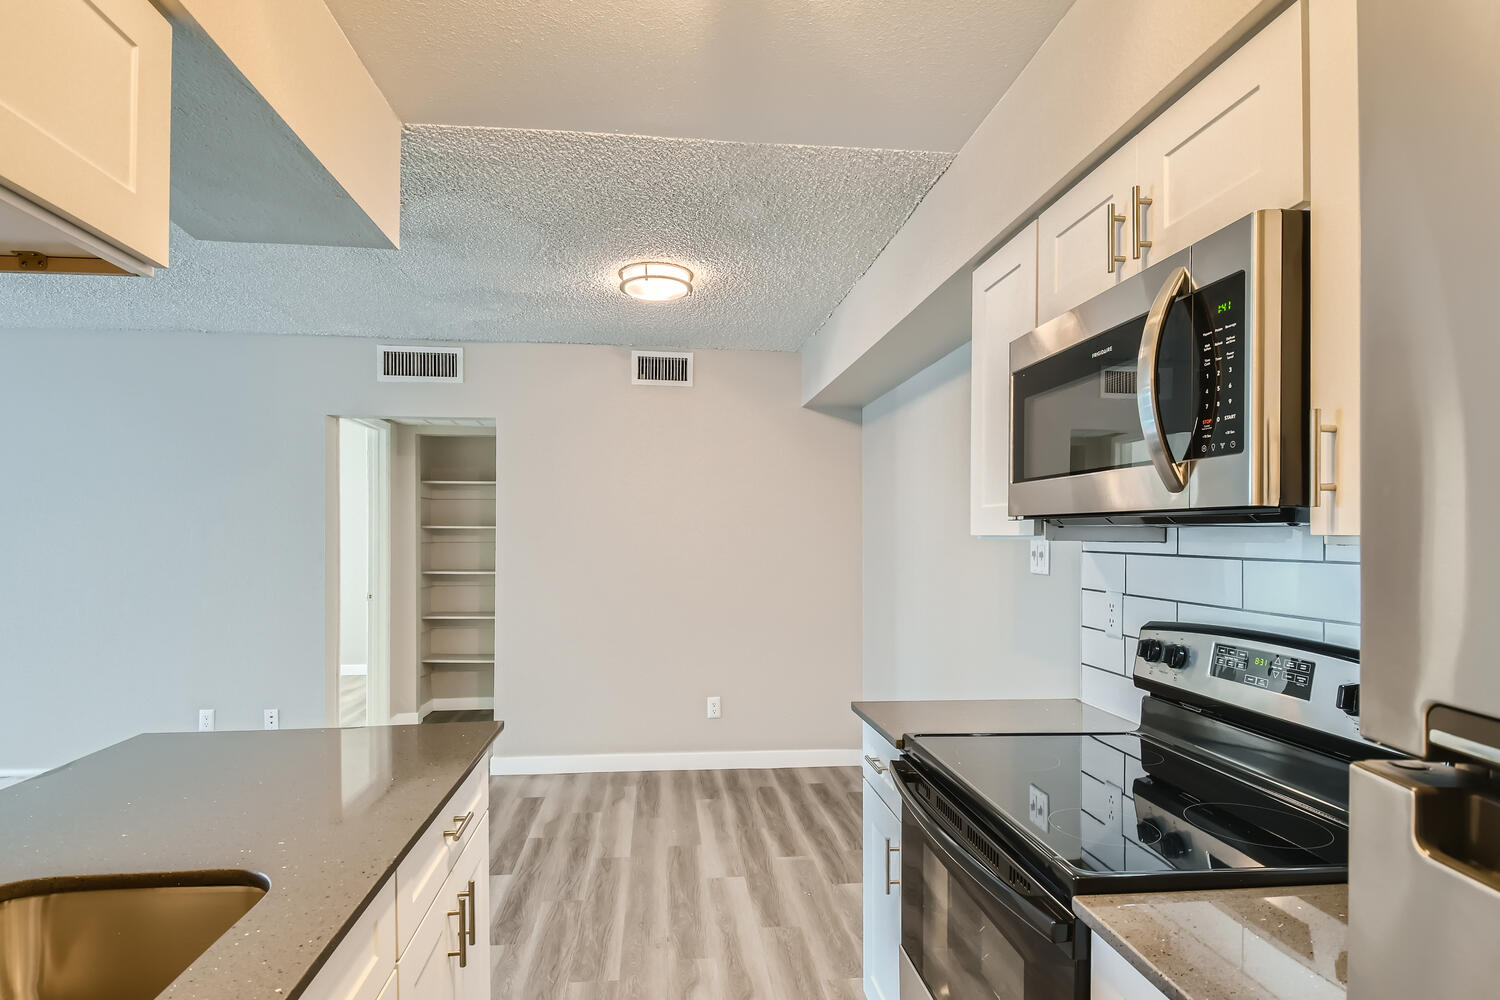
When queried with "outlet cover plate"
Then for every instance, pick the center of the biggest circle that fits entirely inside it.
(272, 719)
(1041, 557)
(714, 708)
(1036, 808)
(1114, 610)
(205, 720)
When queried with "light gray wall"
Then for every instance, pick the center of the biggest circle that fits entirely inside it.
(163, 549)
(947, 615)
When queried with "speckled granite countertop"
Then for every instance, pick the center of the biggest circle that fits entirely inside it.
(893, 719)
(324, 814)
(1236, 944)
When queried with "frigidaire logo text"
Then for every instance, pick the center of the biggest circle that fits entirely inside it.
(1102, 351)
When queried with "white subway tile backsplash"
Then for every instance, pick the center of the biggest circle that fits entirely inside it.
(1177, 578)
(1326, 590)
(1341, 635)
(1252, 542)
(1269, 578)
(1343, 550)
(1112, 693)
(1103, 652)
(1103, 571)
(1140, 610)
(1303, 628)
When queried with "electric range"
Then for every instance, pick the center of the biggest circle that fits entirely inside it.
(1238, 776)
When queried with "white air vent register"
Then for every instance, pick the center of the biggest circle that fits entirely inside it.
(661, 367)
(420, 364)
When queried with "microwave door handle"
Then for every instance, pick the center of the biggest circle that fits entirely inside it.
(1173, 474)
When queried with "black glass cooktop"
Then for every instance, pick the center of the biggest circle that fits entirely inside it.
(1095, 806)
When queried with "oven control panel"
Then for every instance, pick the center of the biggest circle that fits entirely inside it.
(1298, 681)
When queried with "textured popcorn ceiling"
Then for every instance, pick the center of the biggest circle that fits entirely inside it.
(892, 74)
(516, 235)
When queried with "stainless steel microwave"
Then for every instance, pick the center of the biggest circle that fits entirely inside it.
(1179, 396)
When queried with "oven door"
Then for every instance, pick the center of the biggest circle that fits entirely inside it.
(966, 934)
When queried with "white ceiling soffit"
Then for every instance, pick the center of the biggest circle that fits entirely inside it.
(892, 74)
(514, 235)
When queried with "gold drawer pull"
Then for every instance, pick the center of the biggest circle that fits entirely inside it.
(875, 763)
(463, 823)
(462, 954)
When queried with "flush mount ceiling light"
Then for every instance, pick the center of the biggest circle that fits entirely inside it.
(655, 281)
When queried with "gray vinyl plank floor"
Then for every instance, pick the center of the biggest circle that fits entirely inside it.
(721, 885)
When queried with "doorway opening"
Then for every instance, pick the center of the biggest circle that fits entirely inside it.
(415, 572)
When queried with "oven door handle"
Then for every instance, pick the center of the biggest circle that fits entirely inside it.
(951, 854)
(1174, 475)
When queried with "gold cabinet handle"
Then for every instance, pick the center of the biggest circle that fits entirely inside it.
(1110, 257)
(889, 848)
(462, 954)
(473, 913)
(463, 822)
(1136, 204)
(874, 763)
(1318, 430)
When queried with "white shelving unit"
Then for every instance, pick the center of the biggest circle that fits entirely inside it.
(456, 515)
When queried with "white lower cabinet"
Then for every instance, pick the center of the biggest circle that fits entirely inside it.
(882, 898)
(438, 952)
(1111, 977)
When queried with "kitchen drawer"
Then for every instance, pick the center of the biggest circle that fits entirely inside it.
(878, 773)
(429, 968)
(362, 965)
(421, 873)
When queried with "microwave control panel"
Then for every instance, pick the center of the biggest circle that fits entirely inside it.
(1218, 321)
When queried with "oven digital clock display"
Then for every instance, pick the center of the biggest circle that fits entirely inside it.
(1259, 669)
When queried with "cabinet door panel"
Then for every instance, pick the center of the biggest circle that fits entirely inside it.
(882, 902)
(85, 116)
(473, 867)
(1074, 238)
(427, 971)
(1231, 145)
(1004, 308)
(366, 958)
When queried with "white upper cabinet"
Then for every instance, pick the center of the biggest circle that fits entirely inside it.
(1334, 267)
(85, 119)
(1228, 147)
(1083, 242)
(1004, 309)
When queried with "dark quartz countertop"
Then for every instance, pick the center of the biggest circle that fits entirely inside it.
(324, 814)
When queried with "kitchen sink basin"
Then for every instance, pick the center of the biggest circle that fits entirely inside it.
(121, 937)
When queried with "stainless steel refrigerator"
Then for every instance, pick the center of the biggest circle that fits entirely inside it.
(1424, 868)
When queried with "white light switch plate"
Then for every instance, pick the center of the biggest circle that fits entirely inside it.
(1041, 557)
(1036, 808)
(1114, 610)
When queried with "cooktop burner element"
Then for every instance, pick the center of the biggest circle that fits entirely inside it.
(1259, 826)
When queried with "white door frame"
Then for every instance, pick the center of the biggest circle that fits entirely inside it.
(378, 570)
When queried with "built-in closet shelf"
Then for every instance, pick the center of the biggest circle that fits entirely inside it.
(458, 482)
(442, 659)
(458, 527)
(458, 616)
(458, 572)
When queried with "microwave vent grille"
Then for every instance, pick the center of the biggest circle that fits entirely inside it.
(1117, 383)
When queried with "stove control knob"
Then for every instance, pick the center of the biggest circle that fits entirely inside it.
(1347, 699)
(1176, 656)
(1149, 650)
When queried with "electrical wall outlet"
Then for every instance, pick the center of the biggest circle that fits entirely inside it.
(1114, 610)
(1036, 808)
(272, 719)
(713, 707)
(205, 720)
(1041, 557)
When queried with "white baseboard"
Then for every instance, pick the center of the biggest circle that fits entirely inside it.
(711, 760)
(456, 705)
